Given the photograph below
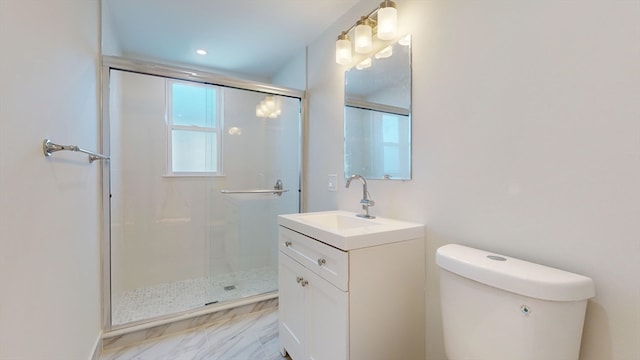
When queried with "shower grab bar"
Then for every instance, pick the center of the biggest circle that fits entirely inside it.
(277, 190)
(49, 148)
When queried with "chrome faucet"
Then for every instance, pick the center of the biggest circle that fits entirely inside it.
(366, 198)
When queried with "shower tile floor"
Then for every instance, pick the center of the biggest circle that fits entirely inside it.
(169, 298)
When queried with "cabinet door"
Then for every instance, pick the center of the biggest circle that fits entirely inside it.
(292, 307)
(328, 314)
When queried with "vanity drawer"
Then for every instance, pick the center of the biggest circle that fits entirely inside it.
(326, 261)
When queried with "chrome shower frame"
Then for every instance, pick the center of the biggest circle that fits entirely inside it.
(181, 73)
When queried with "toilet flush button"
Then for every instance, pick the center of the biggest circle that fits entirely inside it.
(496, 258)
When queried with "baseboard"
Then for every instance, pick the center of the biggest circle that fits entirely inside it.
(97, 348)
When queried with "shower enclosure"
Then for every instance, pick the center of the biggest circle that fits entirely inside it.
(200, 168)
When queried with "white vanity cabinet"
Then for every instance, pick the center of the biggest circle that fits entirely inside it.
(362, 303)
(313, 314)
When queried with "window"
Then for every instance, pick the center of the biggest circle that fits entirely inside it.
(391, 145)
(193, 125)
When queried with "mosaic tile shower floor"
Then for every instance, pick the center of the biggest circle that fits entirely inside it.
(168, 298)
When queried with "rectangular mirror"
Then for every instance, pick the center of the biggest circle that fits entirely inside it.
(377, 115)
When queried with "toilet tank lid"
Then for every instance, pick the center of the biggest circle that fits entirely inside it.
(514, 275)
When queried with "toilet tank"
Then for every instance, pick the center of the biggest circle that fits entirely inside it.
(496, 307)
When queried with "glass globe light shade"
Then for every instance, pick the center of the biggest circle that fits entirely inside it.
(343, 50)
(387, 21)
(363, 33)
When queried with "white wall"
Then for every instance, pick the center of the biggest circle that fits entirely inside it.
(49, 222)
(526, 142)
(293, 73)
(110, 43)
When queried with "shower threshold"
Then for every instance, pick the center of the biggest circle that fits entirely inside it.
(170, 298)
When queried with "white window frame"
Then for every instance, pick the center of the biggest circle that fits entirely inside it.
(217, 130)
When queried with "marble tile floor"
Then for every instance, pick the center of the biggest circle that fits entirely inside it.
(169, 298)
(252, 336)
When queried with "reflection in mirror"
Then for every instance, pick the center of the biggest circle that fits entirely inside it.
(377, 117)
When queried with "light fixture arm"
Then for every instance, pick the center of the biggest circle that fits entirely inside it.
(369, 16)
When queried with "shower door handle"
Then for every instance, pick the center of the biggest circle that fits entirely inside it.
(277, 190)
(254, 191)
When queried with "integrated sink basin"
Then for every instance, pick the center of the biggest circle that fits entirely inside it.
(338, 221)
(345, 231)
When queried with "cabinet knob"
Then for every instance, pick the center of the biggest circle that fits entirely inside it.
(304, 283)
(299, 279)
(287, 243)
(321, 262)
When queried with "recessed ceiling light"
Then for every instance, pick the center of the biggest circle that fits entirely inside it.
(201, 52)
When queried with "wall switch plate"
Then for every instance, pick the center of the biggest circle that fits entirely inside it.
(333, 182)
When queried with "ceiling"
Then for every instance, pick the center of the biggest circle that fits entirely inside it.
(253, 38)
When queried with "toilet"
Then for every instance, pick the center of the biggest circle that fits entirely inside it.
(496, 307)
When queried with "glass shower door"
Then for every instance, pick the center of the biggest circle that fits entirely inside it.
(193, 205)
(262, 175)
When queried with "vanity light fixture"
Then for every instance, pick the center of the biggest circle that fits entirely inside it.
(364, 64)
(381, 23)
(343, 49)
(201, 52)
(385, 53)
(269, 108)
(387, 20)
(364, 36)
(405, 40)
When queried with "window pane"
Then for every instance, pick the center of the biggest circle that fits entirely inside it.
(390, 129)
(193, 105)
(391, 157)
(194, 151)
